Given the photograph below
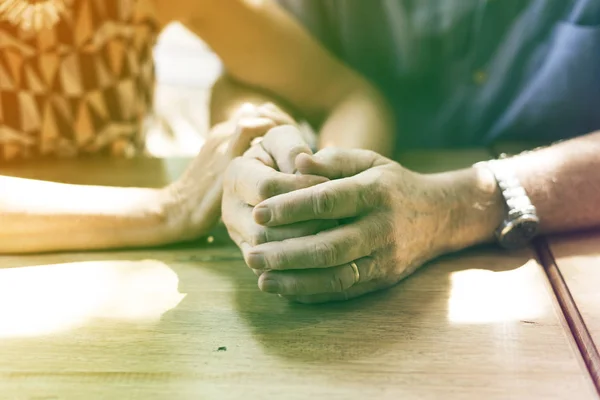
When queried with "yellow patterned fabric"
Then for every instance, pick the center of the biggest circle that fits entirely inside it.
(80, 83)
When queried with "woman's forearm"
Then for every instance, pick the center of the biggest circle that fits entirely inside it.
(38, 216)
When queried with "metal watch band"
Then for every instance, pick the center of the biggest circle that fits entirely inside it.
(521, 221)
(516, 198)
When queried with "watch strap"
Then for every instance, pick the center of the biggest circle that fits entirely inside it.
(520, 222)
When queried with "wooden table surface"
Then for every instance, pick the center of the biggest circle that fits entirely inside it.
(578, 258)
(188, 322)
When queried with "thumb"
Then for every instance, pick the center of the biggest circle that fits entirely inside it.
(334, 163)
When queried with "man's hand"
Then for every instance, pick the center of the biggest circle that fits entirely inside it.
(267, 170)
(394, 220)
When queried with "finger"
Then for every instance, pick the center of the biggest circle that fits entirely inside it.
(308, 281)
(246, 110)
(257, 152)
(240, 242)
(330, 248)
(256, 234)
(343, 198)
(246, 233)
(245, 246)
(284, 143)
(312, 282)
(252, 181)
(247, 129)
(237, 217)
(338, 163)
(270, 110)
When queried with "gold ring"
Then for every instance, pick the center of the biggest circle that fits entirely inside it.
(356, 273)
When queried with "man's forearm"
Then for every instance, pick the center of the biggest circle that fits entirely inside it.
(38, 216)
(362, 119)
(561, 180)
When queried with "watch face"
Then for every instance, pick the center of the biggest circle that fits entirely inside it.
(518, 233)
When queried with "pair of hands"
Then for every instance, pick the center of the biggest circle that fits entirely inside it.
(191, 206)
(302, 219)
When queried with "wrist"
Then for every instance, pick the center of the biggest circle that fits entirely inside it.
(174, 217)
(189, 211)
(147, 222)
(475, 207)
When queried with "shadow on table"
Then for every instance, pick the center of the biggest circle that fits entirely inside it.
(338, 332)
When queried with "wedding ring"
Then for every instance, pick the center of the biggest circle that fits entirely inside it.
(356, 273)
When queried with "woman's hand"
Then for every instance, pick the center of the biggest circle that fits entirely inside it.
(192, 203)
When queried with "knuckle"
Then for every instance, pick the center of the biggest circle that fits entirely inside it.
(370, 154)
(279, 260)
(247, 254)
(269, 106)
(372, 191)
(251, 127)
(282, 130)
(382, 196)
(295, 287)
(386, 227)
(324, 201)
(297, 149)
(259, 236)
(325, 254)
(266, 188)
(246, 109)
(336, 284)
(244, 128)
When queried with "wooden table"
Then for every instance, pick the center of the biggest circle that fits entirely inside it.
(188, 322)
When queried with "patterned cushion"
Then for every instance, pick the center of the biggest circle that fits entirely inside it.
(82, 85)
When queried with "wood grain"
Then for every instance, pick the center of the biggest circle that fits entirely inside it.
(577, 258)
(148, 324)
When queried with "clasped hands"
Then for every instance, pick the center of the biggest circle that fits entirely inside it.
(302, 219)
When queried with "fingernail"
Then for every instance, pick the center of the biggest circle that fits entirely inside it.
(270, 286)
(256, 261)
(262, 215)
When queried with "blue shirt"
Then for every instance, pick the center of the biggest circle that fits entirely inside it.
(470, 72)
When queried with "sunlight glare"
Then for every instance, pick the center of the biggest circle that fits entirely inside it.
(482, 296)
(45, 299)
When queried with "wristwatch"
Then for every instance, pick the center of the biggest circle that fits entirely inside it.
(521, 222)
